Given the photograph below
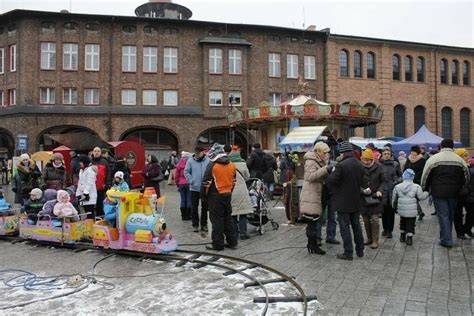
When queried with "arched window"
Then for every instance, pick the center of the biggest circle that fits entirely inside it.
(149, 29)
(343, 63)
(466, 73)
(420, 69)
(357, 64)
(443, 67)
(129, 28)
(447, 122)
(93, 27)
(396, 67)
(465, 126)
(399, 120)
(454, 72)
(408, 68)
(419, 117)
(371, 65)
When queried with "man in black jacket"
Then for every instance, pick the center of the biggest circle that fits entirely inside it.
(256, 162)
(345, 184)
(444, 175)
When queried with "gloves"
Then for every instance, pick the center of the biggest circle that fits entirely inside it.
(86, 197)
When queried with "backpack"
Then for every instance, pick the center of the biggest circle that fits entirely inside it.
(101, 178)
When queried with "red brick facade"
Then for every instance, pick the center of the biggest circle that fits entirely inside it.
(193, 39)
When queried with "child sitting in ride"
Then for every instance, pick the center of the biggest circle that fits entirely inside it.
(63, 207)
(120, 184)
(50, 198)
(34, 205)
(5, 208)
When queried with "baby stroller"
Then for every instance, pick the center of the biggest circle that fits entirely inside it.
(261, 215)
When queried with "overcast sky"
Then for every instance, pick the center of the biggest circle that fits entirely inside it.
(437, 22)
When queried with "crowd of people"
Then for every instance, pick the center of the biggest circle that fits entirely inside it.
(343, 189)
(373, 184)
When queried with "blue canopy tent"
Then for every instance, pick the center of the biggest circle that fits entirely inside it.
(422, 137)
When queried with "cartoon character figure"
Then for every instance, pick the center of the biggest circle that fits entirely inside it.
(63, 207)
(110, 207)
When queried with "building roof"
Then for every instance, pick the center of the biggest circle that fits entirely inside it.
(400, 43)
(17, 13)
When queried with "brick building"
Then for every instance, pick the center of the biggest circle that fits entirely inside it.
(171, 82)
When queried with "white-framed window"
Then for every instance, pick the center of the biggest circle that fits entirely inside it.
(149, 97)
(47, 96)
(215, 98)
(150, 59)
(13, 60)
(129, 97)
(292, 66)
(48, 56)
(2, 98)
(274, 65)
(274, 98)
(215, 61)
(91, 96)
(129, 58)
(170, 97)
(235, 61)
(12, 97)
(70, 56)
(92, 57)
(69, 96)
(170, 60)
(235, 98)
(2, 60)
(291, 96)
(310, 67)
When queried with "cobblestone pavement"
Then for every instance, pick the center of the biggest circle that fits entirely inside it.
(394, 279)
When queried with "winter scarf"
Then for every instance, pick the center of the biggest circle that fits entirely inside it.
(235, 157)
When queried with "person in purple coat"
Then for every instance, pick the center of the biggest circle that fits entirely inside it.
(151, 171)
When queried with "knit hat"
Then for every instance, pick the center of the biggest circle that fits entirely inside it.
(461, 152)
(370, 145)
(408, 174)
(85, 160)
(36, 193)
(119, 174)
(50, 194)
(63, 195)
(24, 157)
(345, 147)
(416, 149)
(367, 154)
(216, 152)
(57, 156)
(186, 155)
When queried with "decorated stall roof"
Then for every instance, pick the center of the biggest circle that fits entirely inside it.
(302, 139)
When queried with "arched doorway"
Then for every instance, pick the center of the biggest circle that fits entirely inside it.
(7, 144)
(223, 136)
(46, 143)
(157, 141)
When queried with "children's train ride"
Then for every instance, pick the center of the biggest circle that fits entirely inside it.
(132, 221)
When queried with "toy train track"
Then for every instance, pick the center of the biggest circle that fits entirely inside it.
(199, 259)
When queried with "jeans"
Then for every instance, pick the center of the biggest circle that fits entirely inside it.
(407, 225)
(445, 209)
(388, 218)
(220, 213)
(331, 226)
(195, 197)
(185, 195)
(241, 225)
(346, 220)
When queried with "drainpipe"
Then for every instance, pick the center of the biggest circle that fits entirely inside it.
(109, 97)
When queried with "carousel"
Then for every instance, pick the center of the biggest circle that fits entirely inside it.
(270, 124)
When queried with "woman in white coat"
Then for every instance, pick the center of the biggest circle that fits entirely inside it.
(241, 205)
(86, 191)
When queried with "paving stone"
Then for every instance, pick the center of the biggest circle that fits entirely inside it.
(348, 311)
(415, 306)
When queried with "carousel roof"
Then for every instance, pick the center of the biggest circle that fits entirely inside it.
(302, 99)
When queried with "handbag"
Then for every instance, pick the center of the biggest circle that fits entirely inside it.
(160, 177)
(371, 200)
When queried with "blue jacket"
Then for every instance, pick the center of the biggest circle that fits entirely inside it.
(194, 172)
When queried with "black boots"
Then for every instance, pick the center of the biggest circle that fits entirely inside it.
(313, 246)
(402, 237)
(409, 240)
